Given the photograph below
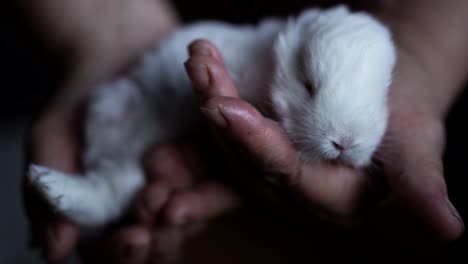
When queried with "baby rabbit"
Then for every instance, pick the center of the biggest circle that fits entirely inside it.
(325, 74)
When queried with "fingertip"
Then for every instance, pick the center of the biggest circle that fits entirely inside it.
(178, 209)
(455, 226)
(416, 176)
(203, 47)
(150, 201)
(438, 213)
(261, 138)
(156, 155)
(247, 125)
(234, 117)
(199, 204)
(209, 77)
(167, 165)
(207, 71)
(215, 116)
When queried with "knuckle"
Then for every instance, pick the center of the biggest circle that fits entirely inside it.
(294, 178)
(289, 180)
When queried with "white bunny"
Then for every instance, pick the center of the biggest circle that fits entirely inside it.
(326, 74)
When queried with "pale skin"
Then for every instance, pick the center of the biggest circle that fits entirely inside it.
(430, 73)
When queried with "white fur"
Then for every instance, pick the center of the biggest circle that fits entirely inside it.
(348, 57)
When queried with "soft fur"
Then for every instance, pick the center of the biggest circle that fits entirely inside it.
(346, 58)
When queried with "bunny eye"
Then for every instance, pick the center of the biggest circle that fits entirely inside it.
(309, 86)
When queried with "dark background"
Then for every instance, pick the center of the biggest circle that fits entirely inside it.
(254, 235)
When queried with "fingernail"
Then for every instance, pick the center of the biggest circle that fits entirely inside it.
(454, 212)
(200, 49)
(198, 74)
(215, 116)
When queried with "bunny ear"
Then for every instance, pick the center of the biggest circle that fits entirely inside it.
(287, 40)
(301, 27)
(295, 26)
(284, 49)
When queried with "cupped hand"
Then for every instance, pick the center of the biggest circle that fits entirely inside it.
(95, 46)
(411, 153)
(413, 149)
(333, 186)
(170, 208)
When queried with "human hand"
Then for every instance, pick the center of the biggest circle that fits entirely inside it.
(264, 142)
(410, 155)
(173, 207)
(94, 47)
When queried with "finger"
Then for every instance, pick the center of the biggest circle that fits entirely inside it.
(420, 181)
(201, 203)
(150, 201)
(166, 165)
(224, 108)
(222, 99)
(242, 123)
(169, 168)
(203, 47)
(208, 71)
(337, 188)
(196, 155)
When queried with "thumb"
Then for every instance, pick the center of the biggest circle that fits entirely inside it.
(416, 176)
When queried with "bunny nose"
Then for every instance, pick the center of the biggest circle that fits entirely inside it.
(338, 146)
(342, 145)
